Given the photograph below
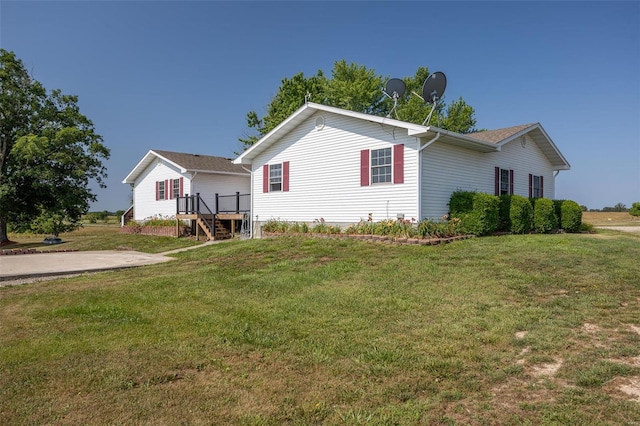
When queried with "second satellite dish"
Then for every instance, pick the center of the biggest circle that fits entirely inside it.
(433, 87)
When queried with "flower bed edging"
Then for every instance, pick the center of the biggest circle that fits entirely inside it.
(161, 231)
(376, 238)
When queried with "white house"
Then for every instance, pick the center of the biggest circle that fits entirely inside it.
(161, 177)
(342, 166)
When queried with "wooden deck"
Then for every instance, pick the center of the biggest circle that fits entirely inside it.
(225, 224)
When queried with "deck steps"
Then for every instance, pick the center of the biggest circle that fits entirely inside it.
(222, 233)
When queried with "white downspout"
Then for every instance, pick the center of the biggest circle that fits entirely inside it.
(250, 201)
(193, 178)
(419, 185)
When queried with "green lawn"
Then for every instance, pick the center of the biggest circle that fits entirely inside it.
(101, 237)
(535, 329)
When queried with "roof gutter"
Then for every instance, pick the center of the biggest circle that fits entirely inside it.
(419, 181)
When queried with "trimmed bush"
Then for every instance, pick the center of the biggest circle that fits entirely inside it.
(504, 213)
(570, 216)
(544, 216)
(557, 205)
(461, 202)
(521, 215)
(484, 218)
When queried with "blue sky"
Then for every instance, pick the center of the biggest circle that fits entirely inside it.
(181, 76)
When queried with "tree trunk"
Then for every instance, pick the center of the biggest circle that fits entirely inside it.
(4, 238)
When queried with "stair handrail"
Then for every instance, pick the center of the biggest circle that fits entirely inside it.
(201, 202)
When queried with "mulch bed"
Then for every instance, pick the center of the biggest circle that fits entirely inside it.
(32, 251)
(378, 238)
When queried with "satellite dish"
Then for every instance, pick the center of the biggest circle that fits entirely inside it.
(433, 87)
(394, 89)
(433, 90)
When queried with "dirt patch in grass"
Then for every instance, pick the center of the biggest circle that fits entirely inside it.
(609, 218)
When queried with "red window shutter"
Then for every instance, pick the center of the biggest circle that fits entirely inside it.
(530, 185)
(166, 189)
(511, 183)
(497, 181)
(265, 178)
(541, 187)
(157, 190)
(285, 176)
(182, 187)
(364, 167)
(171, 188)
(398, 163)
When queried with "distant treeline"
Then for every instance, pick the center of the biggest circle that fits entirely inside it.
(620, 207)
(93, 217)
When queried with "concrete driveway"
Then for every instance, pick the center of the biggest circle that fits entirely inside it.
(21, 268)
(621, 228)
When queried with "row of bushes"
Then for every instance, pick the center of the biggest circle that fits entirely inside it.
(483, 214)
(388, 227)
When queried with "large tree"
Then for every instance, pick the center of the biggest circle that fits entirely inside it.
(356, 88)
(49, 154)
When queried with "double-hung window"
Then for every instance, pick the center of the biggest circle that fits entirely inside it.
(385, 165)
(381, 165)
(175, 190)
(503, 181)
(536, 186)
(275, 177)
(161, 190)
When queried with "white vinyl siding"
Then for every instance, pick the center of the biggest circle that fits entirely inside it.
(145, 203)
(210, 184)
(447, 168)
(328, 187)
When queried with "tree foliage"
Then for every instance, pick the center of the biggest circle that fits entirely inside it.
(357, 88)
(635, 209)
(49, 154)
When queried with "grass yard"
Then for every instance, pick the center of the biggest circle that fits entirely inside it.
(534, 329)
(610, 219)
(101, 237)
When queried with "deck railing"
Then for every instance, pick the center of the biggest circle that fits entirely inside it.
(194, 204)
(237, 203)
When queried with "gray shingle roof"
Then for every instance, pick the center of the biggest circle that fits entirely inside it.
(199, 162)
(497, 135)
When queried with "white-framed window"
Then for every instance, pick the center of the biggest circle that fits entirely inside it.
(275, 177)
(505, 182)
(536, 187)
(175, 190)
(161, 190)
(381, 165)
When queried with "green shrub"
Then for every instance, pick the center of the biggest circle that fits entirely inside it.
(557, 207)
(635, 209)
(461, 202)
(521, 215)
(275, 225)
(544, 216)
(161, 222)
(484, 218)
(586, 227)
(570, 216)
(504, 213)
